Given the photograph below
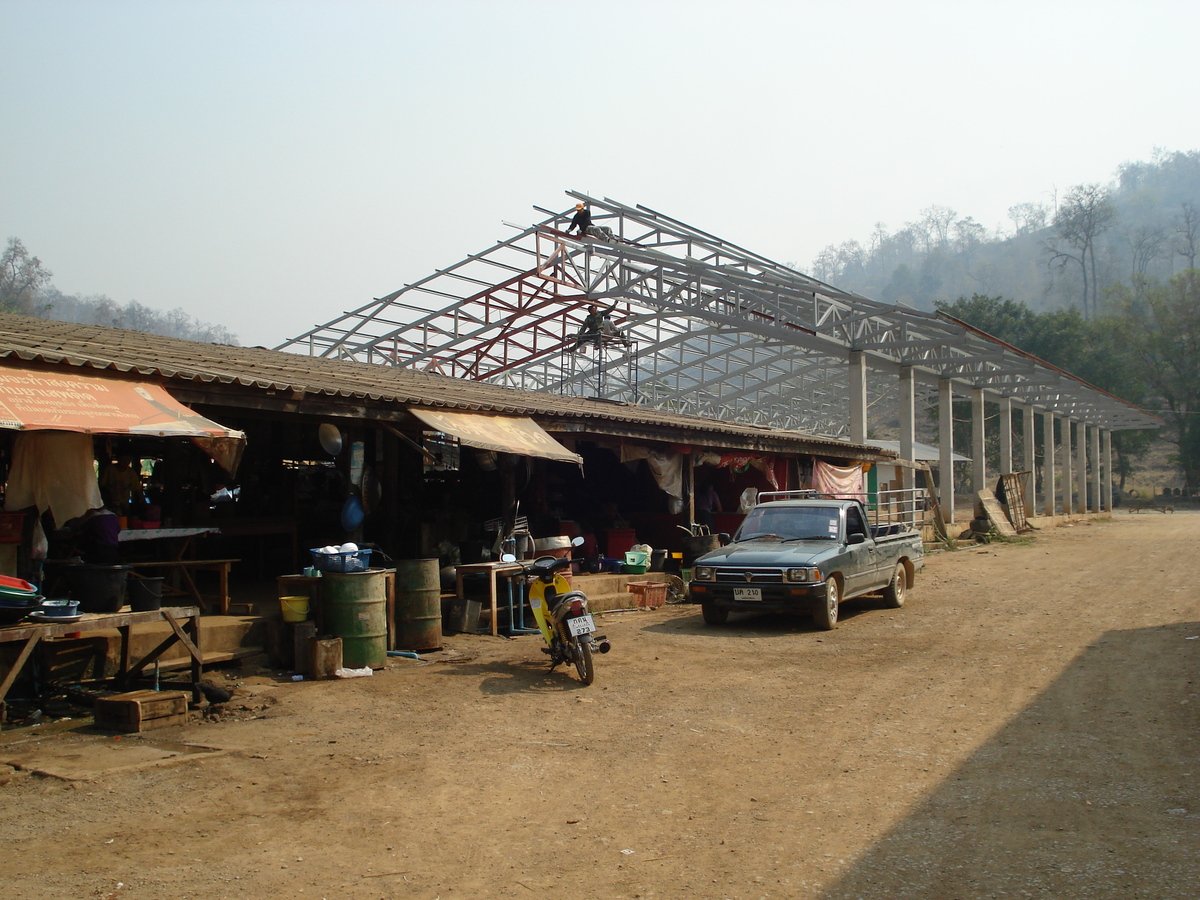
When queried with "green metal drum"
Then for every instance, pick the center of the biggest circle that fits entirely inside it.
(354, 605)
(418, 605)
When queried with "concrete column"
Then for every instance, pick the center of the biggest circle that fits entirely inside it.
(1098, 501)
(978, 443)
(1068, 503)
(946, 449)
(908, 424)
(1081, 503)
(1006, 436)
(1108, 471)
(858, 397)
(1028, 466)
(1048, 462)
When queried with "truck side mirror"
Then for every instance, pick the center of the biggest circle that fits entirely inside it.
(857, 538)
(723, 538)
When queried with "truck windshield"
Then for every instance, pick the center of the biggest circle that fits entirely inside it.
(790, 524)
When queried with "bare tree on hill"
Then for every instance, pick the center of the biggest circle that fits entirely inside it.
(1085, 214)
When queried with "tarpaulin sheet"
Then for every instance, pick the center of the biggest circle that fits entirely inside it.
(36, 400)
(505, 434)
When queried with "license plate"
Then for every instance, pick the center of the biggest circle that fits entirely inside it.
(581, 625)
(747, 593)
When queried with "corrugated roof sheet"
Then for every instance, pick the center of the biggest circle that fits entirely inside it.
(174, 359)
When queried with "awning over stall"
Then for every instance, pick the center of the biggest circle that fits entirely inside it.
(41, 400)
(505, 434)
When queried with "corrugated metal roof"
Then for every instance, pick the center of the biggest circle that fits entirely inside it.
(174, 359)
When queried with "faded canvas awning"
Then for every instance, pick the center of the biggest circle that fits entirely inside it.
(40, 400)
(506, 434)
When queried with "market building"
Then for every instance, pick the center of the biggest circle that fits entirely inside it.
(417, 464)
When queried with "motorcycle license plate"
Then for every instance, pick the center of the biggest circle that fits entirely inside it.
(581, 625)
(747, 593)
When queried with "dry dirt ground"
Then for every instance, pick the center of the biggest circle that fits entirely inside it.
(1027, 726)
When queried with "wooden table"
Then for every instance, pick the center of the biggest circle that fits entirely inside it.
(180, 571)
(187, 634)
(178, 540)
(493, 570)
(178, 565)
(184, 585)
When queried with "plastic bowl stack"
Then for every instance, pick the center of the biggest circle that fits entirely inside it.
(18, 598)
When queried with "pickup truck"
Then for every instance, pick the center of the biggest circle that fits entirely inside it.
(806, 553)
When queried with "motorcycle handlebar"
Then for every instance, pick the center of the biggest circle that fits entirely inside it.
(545, 565)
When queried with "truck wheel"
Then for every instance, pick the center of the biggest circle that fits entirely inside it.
(714, 615)
(893, 594)
(825, 615)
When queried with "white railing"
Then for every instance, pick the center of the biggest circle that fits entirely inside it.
(909, 509)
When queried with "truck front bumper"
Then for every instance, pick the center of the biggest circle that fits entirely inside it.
(775, 597)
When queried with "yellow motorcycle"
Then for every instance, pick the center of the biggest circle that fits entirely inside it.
(563, 618)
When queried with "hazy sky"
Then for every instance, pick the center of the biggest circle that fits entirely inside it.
(268, 165)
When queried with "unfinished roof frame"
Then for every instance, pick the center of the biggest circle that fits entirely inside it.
(721, 332)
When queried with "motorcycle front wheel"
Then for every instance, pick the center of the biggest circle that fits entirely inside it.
(583, 662)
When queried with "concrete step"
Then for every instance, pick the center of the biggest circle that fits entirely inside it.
(605, 592)
(608, 592)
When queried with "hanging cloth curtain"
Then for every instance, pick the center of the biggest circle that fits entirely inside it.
(52, 470)
(845, 482)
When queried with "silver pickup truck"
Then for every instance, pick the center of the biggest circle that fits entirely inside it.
(806, 554)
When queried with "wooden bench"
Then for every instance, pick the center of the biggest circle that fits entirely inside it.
(180, 571)
(1137, 505)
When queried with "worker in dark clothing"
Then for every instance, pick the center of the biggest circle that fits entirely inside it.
(582, 220)
(592, 329)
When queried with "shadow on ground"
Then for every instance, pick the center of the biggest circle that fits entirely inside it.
(517, 677)
(752, 624)
(1092, 791)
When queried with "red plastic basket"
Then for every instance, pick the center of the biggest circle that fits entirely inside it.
(648, 594)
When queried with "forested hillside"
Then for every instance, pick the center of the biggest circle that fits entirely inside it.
(1063, 252)
(26, 287)
(1101, 282)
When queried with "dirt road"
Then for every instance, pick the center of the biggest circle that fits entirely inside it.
(1027, 726)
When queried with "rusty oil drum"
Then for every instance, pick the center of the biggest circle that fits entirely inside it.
(418, 624)
(697, 545)
(354, 605)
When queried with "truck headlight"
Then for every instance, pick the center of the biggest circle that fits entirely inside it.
(804, 575)
(704, 573)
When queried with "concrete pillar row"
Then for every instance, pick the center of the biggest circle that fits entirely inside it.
(1083, 503)
(1006, 436)
(1028, 462)
(908, 423)
(1068, 480)
(858, 397)
(946, 449)
(1107, 493)
(978, 442)
(1048, 462)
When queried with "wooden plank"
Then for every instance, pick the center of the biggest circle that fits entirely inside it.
(94, 622)
(995, 514)
(1014, 487)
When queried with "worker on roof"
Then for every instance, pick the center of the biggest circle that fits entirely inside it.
(582, 220)
(591, 331)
